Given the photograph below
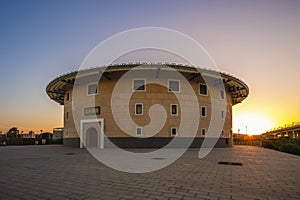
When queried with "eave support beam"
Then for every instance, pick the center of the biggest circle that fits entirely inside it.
(69, 81)
(57, 91)
(107, 75)
(193, 76)
(233, 89)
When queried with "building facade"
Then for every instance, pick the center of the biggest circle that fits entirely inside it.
(88, 115)
(30, 134)
(58, 133)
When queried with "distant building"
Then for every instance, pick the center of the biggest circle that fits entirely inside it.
(45, 135)
(30, 134)
(58, 133)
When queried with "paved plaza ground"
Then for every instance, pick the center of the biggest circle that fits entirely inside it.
(58, 172)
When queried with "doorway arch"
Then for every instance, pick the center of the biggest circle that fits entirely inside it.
(91, 138)
(97, 124)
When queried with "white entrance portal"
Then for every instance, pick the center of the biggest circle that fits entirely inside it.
(88, 129)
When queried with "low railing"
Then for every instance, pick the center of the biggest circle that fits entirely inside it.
(287, 126)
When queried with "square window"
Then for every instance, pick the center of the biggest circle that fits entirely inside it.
(173, 131)
(174, 86)
(203, 131)
(92, 89)
(139, 85)
(223, 114)
(203, 111)
(203, 89)
(67, 115)
(138, 108)
(138, 131)
(174, 109)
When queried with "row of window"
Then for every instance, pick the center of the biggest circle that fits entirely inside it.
(139, 110)
(174, 110)
(140, 85)
(173, 86)
(92, 89)
(139, 131)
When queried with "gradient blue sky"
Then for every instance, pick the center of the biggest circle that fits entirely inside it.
(257, 41)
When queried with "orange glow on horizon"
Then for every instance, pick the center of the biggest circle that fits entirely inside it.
(252, 123)
(252, 118)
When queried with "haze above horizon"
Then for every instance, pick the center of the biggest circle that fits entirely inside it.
(256, 41)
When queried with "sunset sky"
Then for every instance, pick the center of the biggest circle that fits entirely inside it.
(257, 41)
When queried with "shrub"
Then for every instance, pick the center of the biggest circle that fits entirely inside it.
(283, 144)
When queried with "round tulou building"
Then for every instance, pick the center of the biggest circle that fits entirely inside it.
(147, 105)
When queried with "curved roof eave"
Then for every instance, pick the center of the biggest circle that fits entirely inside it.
(56, 88)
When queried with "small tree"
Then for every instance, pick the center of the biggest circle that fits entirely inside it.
(13, 132)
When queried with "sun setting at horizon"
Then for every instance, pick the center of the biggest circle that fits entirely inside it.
(252, 123)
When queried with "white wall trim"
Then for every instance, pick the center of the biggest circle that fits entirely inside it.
(135, 110)
(206, 89)
(101, 138)
(176, 109)
(87, 89)
(138, 79)
(179, 85)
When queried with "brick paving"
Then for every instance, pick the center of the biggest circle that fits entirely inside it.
(58, 172)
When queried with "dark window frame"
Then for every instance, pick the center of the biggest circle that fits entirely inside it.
(68, 96)
(203, 90)
(172, 129)
(176, 110)
(203, 111)
(203, 131)
(136, 110)
(222, 94)
(136, 131)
